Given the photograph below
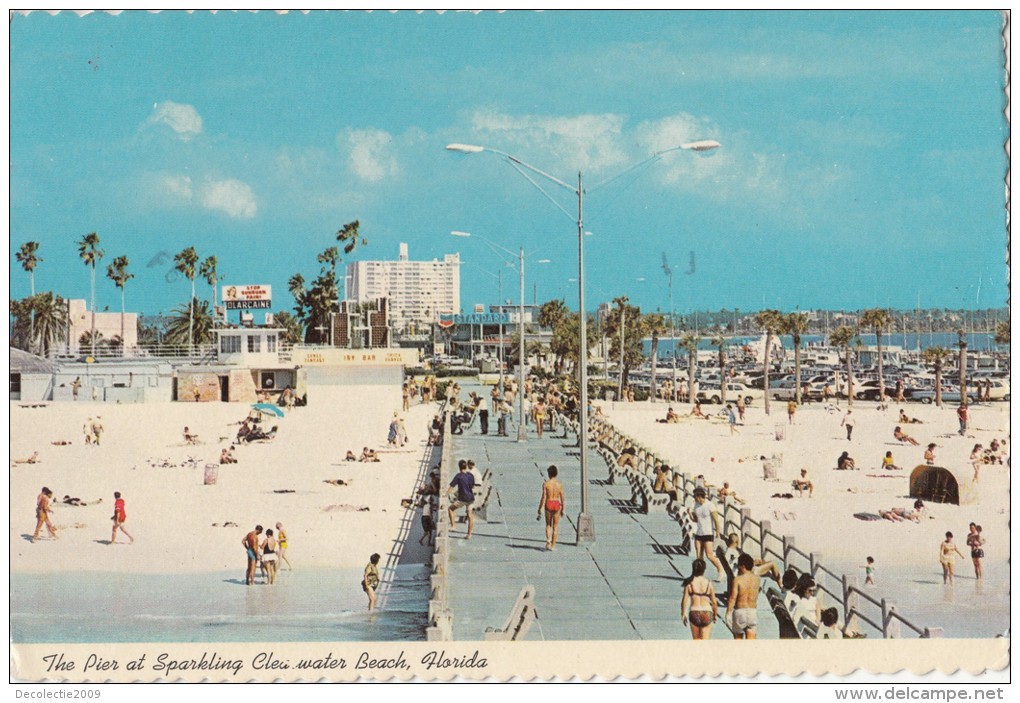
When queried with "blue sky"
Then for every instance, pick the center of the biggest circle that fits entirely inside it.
(861, 160)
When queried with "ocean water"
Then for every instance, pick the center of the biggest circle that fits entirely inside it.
(302, 606)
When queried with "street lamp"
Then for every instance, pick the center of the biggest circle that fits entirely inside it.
(585, 524)
(522, 433)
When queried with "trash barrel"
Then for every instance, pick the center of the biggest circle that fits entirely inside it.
(212, 472)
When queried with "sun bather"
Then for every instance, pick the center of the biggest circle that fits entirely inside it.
(900, 435)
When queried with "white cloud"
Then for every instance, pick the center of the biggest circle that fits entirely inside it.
(371, 153)
(233, 197)
(177, 187)
(586, 142)
(181, 118)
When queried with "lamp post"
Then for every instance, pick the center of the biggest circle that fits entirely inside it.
(522, 433)
(585, 524)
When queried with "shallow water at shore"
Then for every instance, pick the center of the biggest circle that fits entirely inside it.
(303, 606)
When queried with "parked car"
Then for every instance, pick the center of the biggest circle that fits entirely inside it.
(786, 389)
(949, 395)
(711, 393)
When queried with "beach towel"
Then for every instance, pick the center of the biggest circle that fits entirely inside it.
(869, 517)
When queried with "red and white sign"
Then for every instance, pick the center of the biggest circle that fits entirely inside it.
(247, 297)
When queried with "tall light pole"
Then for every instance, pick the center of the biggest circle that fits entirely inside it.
(585, 524)
(522, 433)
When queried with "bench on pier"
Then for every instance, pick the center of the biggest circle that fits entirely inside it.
(483, 492)
(517, 624)
(787, 629)
(643, 495)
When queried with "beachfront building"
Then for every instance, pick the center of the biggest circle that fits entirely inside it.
(418, 292)
(31, 376)
(108, 326)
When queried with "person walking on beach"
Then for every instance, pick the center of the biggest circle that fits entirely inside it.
(97, 430)
(86, 430)
(961, 415)
(370, 581)
(698, 605)
(976, 460)
(848, 423)
(706, 521)
(732, 419)
(539, 413)
(75, 387)
(742, 608)
(929, 455)
(281, 542)
(482, 405)
(553, 503)
(42, 514)
(741, 407)
(251, 546)
(975, 541)
(462, 490)
(869, 572)
(947, 553)
(119, 517)
(268, 553)
(791, 410)
(391, 436)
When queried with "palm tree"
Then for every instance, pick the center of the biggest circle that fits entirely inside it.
(655, 325)
(207, 270)
(796, 324)
(29, 259)
(842, 337)
(936, 357)
(720, 342)
(185, 263)
(191, 323)
(1002, 333)
(772, 322)
(621, 304)
(292, 331)
(689, 341)
(117, 272)
(878, 319)
(552, 315)
(962, 344)
(90, 253)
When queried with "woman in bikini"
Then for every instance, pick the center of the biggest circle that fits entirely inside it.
(947, 553)
(371, 580)
(269, 547)
(42, 514)
(281, 538)
(539, 410)
(552, 503)
(699, 607)
(119, 517)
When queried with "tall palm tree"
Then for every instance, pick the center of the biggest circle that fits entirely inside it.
(772, 322)
(90, 253)
(878, 319)
(185, 262)
(207, 270)
(936, 357)
(720, 342)
(621, 304)
(655, 325)
(552, 315)
(117, 272)
(29, 259)
(689, 341)
(796, 324)
(350, 237)
(962, 345)
(842, 338)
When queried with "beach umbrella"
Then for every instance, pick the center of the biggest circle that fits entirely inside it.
(268, 409)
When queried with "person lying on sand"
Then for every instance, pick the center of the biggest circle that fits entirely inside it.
(899, 515)
(257, 435)
(901, 436)
(335, 482)
(78, 502)
(908, 420)
(60, 443)
(34, 459)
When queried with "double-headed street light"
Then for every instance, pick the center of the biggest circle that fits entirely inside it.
(522, 433)
(585, 524)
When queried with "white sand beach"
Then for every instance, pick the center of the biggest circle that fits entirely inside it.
(178, 523)
(825, 523)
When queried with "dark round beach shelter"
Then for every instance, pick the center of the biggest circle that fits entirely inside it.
(938, 484)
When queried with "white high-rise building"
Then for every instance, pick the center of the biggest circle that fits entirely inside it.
(417, 291)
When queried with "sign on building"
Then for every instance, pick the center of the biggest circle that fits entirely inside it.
(247, 297)
(478, 318)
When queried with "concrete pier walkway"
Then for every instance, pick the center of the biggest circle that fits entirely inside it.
(625, 585)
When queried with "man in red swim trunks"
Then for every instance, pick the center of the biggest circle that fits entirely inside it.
(119, 516)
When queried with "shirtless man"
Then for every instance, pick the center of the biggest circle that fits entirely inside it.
(742, 611)
(251, 544)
